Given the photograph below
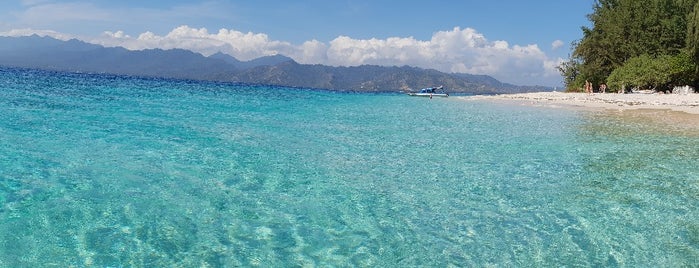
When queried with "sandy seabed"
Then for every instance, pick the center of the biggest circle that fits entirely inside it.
(674, 109)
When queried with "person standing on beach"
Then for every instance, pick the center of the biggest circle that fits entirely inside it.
(603, 88)
(588, 87)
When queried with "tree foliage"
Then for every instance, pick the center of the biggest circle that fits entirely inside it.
(638, 42)
(693, 36)
(570, 70)
(660, 73)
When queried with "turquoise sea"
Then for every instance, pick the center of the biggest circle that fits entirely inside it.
(111, 171)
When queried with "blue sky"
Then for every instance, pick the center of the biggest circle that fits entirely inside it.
(514, 41)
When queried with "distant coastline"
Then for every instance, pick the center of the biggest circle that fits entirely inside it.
(47, 53)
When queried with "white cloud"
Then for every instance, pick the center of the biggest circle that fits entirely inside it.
(244, 46)
(28, 32)
(116, 35)
(557, 44)
(312, 51)
(455, 50)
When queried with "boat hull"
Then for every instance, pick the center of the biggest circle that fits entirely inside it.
(429, 95)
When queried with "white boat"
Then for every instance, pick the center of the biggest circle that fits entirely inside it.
(430, 92)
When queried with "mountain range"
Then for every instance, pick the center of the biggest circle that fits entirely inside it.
(78, 56)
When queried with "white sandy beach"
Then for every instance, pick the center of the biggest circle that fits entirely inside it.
(688, 103)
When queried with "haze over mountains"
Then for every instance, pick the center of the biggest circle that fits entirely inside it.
(77, 56)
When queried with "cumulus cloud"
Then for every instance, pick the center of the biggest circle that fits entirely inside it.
(454, 51)
(244, 46)
(556, 44)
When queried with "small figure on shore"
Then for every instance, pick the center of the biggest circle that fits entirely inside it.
(588, 87)
(603, 88)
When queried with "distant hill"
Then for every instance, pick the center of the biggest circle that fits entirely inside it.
(74, 55)
(262, 61)
(373, 78)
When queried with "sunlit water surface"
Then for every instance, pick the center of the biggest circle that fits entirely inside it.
(118, 172)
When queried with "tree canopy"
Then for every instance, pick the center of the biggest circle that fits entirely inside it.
(652, 44)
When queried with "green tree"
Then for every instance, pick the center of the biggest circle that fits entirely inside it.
(660, 73)
(625, 29)
(570, 70)
(693, 36)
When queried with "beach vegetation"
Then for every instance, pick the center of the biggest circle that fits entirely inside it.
(693, 37)
(571, 73)
(660, 73)
(645, 44)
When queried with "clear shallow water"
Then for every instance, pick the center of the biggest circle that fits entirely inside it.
(112, 171)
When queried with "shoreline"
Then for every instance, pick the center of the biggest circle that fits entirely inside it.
(673, 109)
(682, 103)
